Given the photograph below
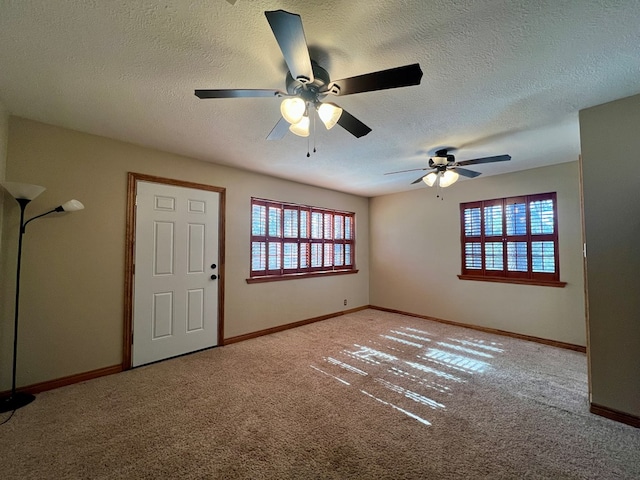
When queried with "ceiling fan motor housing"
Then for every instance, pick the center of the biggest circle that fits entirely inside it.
(442, 158)
(309, 91)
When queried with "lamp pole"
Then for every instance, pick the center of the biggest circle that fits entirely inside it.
(17, 400)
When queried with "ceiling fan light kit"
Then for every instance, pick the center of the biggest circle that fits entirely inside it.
(296, 111)
(441, 179)
(308, 83)
(292, 109)
(329, 113)
(448, 177)
(430, 179)
(300, 128)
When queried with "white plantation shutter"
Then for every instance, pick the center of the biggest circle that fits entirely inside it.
(511, 238)
(290, 239)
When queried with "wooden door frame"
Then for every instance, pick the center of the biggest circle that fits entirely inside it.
(130, 239)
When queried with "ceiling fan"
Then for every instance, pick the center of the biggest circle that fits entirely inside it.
(308, 84)
(446, 170)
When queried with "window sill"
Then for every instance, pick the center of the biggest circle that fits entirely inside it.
(519, 281)
(297, 276)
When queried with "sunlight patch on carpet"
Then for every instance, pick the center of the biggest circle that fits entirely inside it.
(399, 363)
(332, 376)
(455, 361)
(435, 371)
(465, 350)
(414, 378)
(402, 340)
(479, 344)
(346, 366)
(415, 330)
(411, 335)
(406, 412)
(416, 397)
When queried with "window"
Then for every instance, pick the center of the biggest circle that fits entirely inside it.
(289, 240)
(511, 239)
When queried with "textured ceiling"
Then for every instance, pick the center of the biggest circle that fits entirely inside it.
(499, 77)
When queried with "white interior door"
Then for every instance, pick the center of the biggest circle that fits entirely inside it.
(175, 308)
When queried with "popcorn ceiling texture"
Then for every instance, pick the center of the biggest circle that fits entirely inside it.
(499, 77)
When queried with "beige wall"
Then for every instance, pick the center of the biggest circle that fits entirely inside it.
(610, 141)
(415, 258)
(4, 140)
(73, 266)
(6, 325)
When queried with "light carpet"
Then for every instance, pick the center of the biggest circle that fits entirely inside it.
(368, 395)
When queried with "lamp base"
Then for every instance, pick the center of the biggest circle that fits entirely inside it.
(15, 401)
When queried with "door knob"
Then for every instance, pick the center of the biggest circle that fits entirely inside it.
(213, 277)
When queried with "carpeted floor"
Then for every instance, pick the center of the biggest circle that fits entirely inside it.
(368, 395)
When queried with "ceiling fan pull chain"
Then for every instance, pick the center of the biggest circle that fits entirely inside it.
(314, 133)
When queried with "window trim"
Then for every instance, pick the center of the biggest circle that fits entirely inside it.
(295, 276)
(505, 276)
(281, 273)
(517, 281)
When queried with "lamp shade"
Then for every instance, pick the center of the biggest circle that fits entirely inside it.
(24, 191)
(449, 177)
(430, 179)
(72, 206)
(329, 114)
(292, 109)
(301, 128)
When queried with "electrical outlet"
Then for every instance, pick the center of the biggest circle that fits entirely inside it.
(345, 302)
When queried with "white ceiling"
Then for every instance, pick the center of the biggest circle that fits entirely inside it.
(499, 77)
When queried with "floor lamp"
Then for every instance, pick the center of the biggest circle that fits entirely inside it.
(24, 193)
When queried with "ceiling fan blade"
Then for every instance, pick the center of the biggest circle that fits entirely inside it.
(393, 78)
(404, 171)
(287, 28)
(279, 131)
(475, 161)
(352, 125)
(466, 172)
(418, 180)
(239, 93)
